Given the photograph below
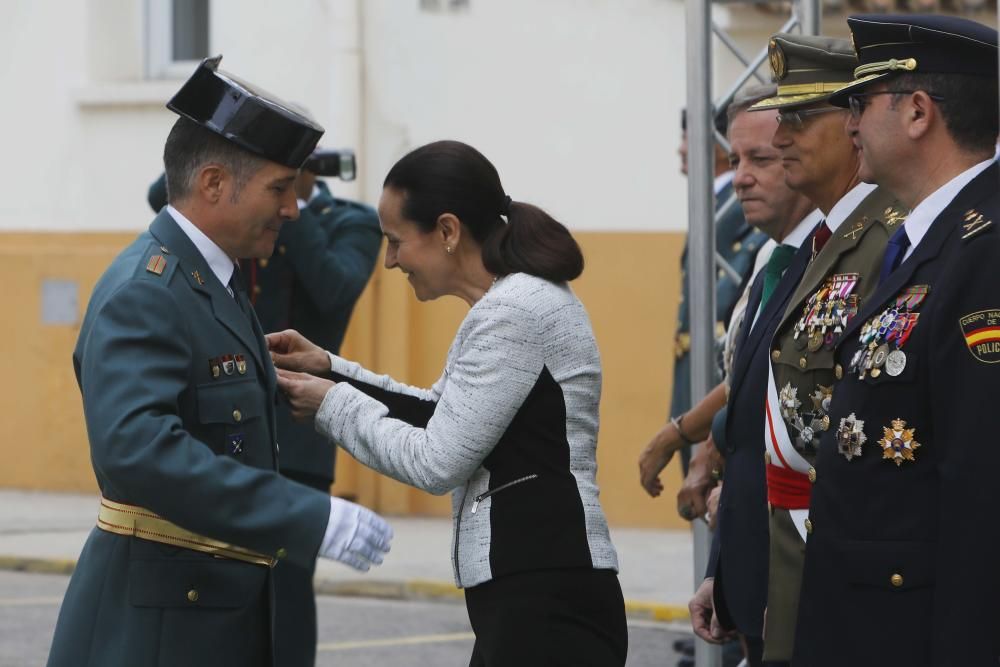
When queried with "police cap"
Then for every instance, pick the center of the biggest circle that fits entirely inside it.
(889, 44)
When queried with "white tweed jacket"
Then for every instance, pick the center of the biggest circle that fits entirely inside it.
(510, 429)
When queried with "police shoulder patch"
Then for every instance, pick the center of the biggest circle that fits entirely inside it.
(981, 331)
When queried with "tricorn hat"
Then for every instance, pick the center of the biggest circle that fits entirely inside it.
(246, 115)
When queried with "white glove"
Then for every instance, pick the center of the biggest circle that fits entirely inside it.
(355, 535)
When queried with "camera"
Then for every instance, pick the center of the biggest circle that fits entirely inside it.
(332, 162)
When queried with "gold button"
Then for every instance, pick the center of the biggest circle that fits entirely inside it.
(193, 595)
(812, 475)
(896, 580)
(809, 526)
(262, 262)
(256, 289)
(737, 246)
(838, 370)
(767, 458)
(722, 274)
(282, 250)
(237, 415)
(775, 354)
(802, 362)
(281, 553)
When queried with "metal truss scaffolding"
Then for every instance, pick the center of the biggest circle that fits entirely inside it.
(702, 258)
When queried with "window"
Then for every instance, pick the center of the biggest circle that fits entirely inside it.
(176, 37)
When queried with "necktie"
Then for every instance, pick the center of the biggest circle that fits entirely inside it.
(239, 289)
(895, 249)
(776, 265)
(820, 237)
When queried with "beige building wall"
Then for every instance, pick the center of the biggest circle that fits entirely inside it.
(577, 103)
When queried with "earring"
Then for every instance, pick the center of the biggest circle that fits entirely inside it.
(448, 248)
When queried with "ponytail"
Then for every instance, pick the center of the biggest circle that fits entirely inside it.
(533, 242)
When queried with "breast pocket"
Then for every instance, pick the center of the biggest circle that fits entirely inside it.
(231, 415)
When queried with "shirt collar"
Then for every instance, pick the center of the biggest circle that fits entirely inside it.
(722, 180)
(920, 218)
(798, 235)
(220, 263)
(847, 204)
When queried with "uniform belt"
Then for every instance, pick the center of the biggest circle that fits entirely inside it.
(787, 488)
(123, 519)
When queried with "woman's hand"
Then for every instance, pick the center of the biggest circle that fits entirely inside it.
(292, 351)
(305, 392)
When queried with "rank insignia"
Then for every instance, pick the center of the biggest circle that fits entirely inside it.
(241, 364)
(893, 216)
(857, 229)
(156, 264)
(974, 222)
(215, 366)
(897, 442)
(981, 331)
(235, 443)
(197, 277)
(228, 364)
(850, 436)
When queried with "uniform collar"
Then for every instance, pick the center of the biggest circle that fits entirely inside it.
(798, 235)
(217, 259)
(847, 204)
(920, 218)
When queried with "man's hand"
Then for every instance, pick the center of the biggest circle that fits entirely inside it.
(704, 621)
(655, 457)
(355, 535)
(693, 496)
(292, 351)
(305, 393)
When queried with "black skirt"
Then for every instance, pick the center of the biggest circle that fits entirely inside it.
(549, 617)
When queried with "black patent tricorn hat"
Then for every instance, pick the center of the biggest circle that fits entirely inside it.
(246, 115)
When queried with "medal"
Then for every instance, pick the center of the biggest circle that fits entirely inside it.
(881, 352)
(228, 365)
(815, 341)
(850, 436)
(241, 364)
(895, 363)
(214, 366)
(897, 442)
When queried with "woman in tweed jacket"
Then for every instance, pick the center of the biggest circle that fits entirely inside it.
(510, 428)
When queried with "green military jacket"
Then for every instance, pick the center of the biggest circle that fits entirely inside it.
(178, 396)
(837, 282)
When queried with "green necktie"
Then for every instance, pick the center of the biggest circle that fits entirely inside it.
(775, 268)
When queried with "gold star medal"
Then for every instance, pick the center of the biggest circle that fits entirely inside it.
(897, 442)
(850, 436)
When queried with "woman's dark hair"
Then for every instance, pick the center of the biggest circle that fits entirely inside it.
(452, 177)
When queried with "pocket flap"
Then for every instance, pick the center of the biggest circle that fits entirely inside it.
(212, 582)
(230, 402)
(890, 565)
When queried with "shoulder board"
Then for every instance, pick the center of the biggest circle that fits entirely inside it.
(156, 263)
(973, 224)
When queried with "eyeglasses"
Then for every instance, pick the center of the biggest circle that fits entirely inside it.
(794, 120)
(858, 101)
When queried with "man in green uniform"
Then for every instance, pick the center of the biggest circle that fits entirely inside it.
(310, 283)
(822, 163)
(178, 395)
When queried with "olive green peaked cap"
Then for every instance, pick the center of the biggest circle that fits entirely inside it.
(807, 69)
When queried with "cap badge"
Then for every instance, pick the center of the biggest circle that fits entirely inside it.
(776, 56)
